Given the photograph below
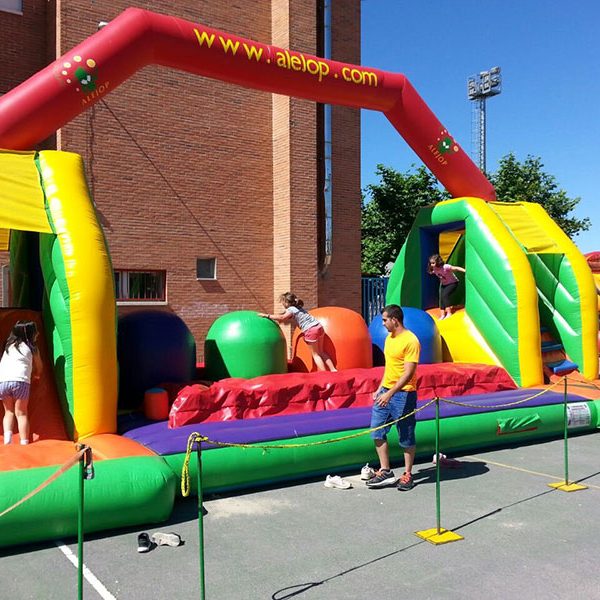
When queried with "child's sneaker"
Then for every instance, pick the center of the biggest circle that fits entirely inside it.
(144, 543)
(405, 483)
(166, 539)
(382, 478)
(367, 472)
(335, 481)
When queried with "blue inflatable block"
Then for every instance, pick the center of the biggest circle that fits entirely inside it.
(421, 324)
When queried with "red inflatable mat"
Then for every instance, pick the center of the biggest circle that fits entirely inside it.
(294, 393)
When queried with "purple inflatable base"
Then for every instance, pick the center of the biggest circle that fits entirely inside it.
(162, 440)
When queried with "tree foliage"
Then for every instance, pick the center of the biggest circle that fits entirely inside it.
(527, 181)
(389, 209)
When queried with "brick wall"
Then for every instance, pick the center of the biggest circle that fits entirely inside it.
(182, 167)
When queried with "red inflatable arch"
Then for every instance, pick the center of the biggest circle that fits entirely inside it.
(51, 98)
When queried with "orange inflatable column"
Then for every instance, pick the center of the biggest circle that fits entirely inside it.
(156, 404)
(347, 341)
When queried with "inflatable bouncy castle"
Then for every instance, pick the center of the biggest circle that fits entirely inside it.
(528, 293)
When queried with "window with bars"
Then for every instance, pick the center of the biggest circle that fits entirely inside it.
(140, 286)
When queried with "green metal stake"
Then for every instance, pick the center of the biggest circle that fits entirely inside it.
(200, 522)
(80, 527)
(566, 420)
(437, 463)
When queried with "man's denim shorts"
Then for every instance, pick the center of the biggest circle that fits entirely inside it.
(400, 404)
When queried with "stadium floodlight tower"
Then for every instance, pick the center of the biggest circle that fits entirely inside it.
(479, 89)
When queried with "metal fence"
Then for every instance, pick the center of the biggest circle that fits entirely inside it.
(373, 296)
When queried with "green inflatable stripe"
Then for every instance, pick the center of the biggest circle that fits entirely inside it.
(124, 492)
(226, 469)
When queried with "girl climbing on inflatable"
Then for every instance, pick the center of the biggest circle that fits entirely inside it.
(314, 334)
(19, 359)
(448, 281)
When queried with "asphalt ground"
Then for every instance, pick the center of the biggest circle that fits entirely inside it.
(522, 539)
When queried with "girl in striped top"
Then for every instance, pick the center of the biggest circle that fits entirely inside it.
(314, 334)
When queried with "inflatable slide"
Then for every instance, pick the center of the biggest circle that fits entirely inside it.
(528, 291)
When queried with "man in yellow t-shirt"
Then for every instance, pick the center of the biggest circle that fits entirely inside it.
(396, 397)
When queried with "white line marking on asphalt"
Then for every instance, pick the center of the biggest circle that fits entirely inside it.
(522, 470)
(89, 576)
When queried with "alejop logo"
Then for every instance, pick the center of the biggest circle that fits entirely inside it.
(79, 73)
(445, 144)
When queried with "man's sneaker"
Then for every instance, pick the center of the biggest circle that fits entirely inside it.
(166, 539)
(367, 472)
(337, 482)
(144, 543)
(405, 483)
(382, 478)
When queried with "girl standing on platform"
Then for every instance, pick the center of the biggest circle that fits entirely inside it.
(314, 334)
(448, 282)
(19, 359)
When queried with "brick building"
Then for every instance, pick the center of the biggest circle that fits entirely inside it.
(191, 175)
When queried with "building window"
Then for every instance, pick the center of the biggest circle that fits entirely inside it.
(206, 268)
(12, 6)
(140, 286)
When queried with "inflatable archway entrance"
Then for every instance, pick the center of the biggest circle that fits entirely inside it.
(76, 81)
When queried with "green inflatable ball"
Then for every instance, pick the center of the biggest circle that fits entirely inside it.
(242, 344)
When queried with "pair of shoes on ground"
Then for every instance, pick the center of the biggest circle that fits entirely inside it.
(386, 478)
(335, 481)
(147, 543)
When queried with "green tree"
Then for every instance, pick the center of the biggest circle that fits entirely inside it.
(389, 209)
(526, 181)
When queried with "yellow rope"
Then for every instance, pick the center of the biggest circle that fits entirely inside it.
(196, 438)
(508, 404)
(65, 467)
(583, 384)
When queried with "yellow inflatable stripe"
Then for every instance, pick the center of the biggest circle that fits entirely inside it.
(4, 239)
(21, 195)
(463, 342)
(585, 282)
(91, 293)
(528, 320)
(447, 242)
(526, 228)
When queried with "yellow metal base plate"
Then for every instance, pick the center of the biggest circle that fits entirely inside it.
(443, 537)
(563, 486)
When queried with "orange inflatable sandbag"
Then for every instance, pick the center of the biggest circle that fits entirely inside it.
(347, 341)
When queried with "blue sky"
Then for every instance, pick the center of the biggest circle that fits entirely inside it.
(549, 107)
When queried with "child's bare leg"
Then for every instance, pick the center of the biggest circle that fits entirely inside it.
(22, 420)
(318, 360)
(448, 311)
(324, 355)
(9, 419)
